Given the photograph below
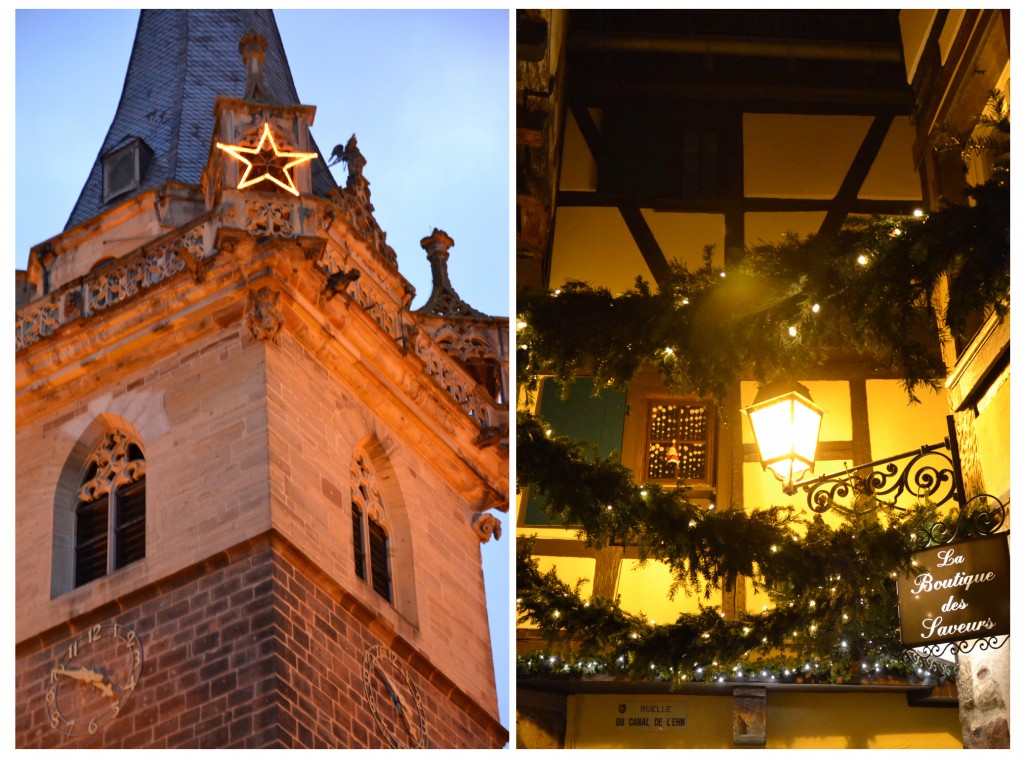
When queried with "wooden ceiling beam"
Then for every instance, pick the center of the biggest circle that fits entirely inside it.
(754, 98)
(645, 241)
(862, 206)
(855, 176)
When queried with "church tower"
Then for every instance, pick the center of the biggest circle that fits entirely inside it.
(252, 482)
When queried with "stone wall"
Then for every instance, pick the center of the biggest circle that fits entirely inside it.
(251, 648)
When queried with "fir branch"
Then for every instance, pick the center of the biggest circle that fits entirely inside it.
(833, 589)
(787, 305)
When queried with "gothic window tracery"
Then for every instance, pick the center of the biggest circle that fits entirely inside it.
(370, 540)
(110, 509)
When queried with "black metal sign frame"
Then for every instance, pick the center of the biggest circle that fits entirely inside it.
(960, 592)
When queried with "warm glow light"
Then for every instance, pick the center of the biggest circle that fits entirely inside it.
(792, 331)
(785, 423)
(269, 159)
(918, 213)
(862, 260)
(815, 308)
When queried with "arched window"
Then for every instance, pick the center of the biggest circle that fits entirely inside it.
(110, 512)
(370, 542)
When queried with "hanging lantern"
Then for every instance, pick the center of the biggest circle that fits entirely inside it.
(785, 422)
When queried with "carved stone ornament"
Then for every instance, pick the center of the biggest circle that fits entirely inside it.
(443, 300)
(253, 48)
(484, 525)
(267, 219)
(366, 492)
(262, 316)
(105, 287)
(116, 462)
(353, 202)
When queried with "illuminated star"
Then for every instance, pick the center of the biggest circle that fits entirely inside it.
(268, 159)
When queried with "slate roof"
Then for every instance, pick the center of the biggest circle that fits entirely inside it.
(181, 61)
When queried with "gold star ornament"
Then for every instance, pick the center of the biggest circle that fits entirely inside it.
(267, 162)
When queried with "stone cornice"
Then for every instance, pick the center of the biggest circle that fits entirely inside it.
(135, 309)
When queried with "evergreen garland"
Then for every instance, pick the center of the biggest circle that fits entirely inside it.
(785, 306)
(782, 309)
(833, 590)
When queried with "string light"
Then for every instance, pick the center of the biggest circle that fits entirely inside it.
(292, 158)
(815, 308)
(862, 259)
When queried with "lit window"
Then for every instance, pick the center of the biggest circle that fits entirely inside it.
(110, 514)
(370, 543)
(679, 442)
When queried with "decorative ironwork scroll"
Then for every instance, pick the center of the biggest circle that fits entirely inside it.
(980, 516)
(931, 656)
(926, 474)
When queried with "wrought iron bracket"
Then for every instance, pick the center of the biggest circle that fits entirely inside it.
(931, 474)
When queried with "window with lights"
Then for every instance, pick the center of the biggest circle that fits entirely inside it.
(679, 442)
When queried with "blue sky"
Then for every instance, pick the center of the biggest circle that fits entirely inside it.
(426, 93)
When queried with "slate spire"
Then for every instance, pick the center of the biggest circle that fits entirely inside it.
(181, 61)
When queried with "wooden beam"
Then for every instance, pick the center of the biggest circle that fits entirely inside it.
(855, 176)
(645, 241)
(591, 134)
(578, 199)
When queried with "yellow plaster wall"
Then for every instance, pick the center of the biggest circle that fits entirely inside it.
(892, 175)
(571, 570)
(840, 720)
(993, 429)
(915, 23)
(644, 588)
(898, 426)
(815, 720)
(586, 235)
(683, 236)
(579, 170)
(798, 156)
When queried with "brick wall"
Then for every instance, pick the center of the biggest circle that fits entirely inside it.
(254, 647)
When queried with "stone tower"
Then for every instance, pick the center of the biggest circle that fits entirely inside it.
(252, 483)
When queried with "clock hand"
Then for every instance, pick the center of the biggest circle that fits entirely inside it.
(89, 676)
(104, 687)
(395, 699)
(83, 674)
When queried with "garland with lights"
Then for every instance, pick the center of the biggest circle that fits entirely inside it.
(780, 310)
(833, 590)
(785, 307)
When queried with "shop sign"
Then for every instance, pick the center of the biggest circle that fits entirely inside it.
(650, 716)
(961, 592)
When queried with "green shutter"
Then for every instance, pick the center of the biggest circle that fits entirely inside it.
(582, 416)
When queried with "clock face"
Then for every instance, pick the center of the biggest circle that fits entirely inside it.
(91, 682)
(394, 699)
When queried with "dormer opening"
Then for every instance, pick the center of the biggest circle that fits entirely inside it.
(124, 168)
